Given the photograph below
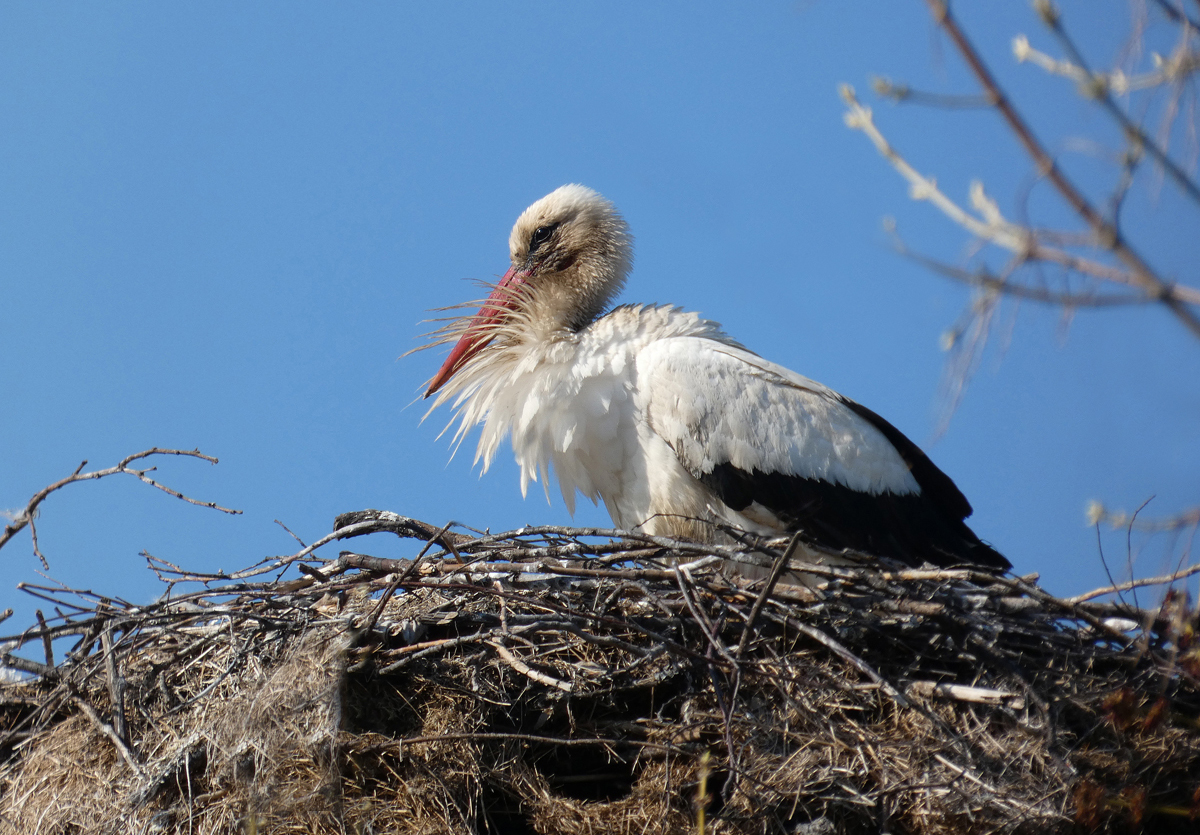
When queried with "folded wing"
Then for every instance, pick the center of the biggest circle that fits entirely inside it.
(770, 443)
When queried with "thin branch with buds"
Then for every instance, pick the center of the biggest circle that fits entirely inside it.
(990, 225)
(1098, 265)
(1107, 236)
(1096, 86)
(25, 517)
(1098, 513)
(1170, 70)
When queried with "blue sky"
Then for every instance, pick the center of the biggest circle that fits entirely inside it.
(221, 225)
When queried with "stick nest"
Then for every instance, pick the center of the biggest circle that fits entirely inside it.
(561, 681)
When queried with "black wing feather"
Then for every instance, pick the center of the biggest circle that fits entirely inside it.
(911, 527)
(934, 483)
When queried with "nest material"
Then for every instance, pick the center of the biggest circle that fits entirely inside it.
(554, 681)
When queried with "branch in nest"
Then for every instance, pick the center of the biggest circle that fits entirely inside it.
(581, 742)
(123, 749)
(825, 675)
(529, 672)
(963, 693)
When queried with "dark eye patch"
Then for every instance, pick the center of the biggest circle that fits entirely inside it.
(540, 236)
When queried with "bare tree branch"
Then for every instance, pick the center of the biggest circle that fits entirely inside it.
(1098, 513)
(1165, 580)
(1176, 15)
(1106, 234)
(885, 88)
(1170, 71)
(990, 224)
(984, 279)
(1096, 86)
(1096, 258)
(26, 516)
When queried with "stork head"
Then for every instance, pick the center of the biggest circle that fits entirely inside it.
(571, 252)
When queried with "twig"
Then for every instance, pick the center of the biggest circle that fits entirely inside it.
(1107, 235)
(849, 657)
(984, 279)
(684, 579)
(603, 640)
(16, 662)
(776, 570)
(1005, 234)
(1116, 588)
(289, 531)
(992, 226)
(964, 693)
(884, 88)
(26, 517)
(527, 671)
(116, 683)
(1184, 63)
(400, 578)
(1071, 608)
(1129, 543)
(1176, 15)
(124, 750)
(1097, 512)
(1096, 87)
(1129, 163)
(411, 653)
(1000, 796)
(572, 742)
(47, 641)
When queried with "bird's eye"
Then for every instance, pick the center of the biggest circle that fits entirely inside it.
(540, 236)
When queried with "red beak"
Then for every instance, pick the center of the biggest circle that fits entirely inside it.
(480, 332)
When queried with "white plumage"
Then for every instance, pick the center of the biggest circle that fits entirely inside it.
(677, 428)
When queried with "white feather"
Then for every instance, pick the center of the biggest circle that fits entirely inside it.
(628, 410)
(638, 408)
(714, 402)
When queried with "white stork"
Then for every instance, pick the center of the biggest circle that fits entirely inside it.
(677, 428)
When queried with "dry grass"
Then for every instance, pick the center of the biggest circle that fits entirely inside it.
(556, 682)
